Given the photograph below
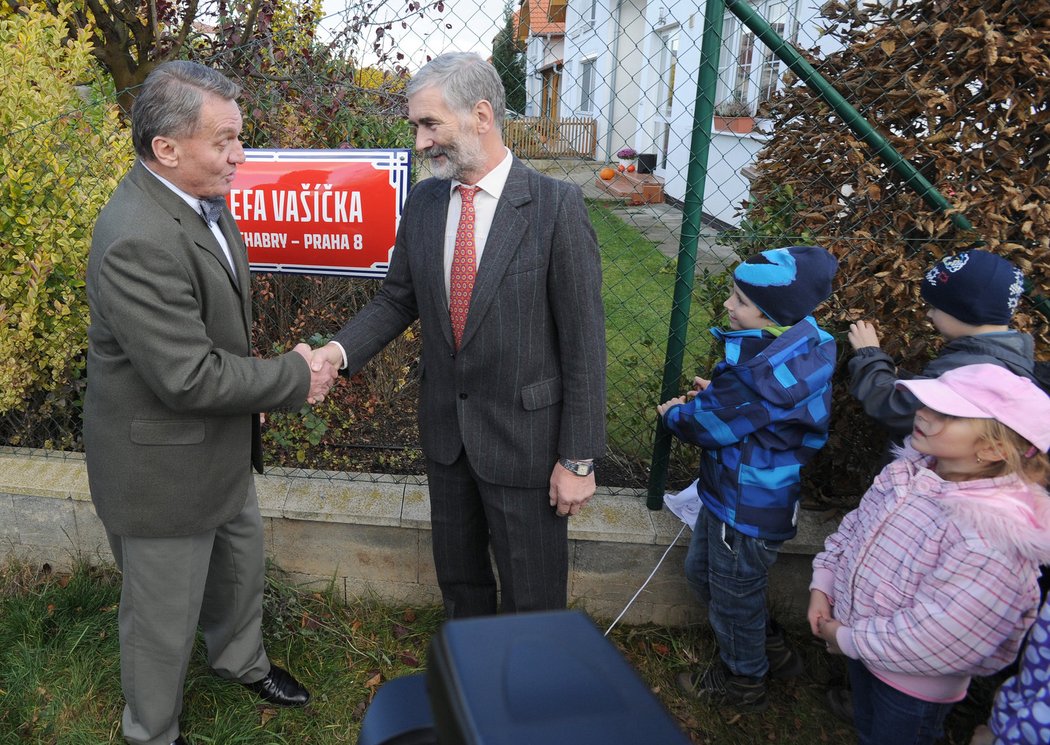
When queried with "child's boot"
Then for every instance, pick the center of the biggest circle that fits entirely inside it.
(784, 662)
(720, 686)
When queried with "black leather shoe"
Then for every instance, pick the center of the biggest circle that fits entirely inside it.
(280, 688)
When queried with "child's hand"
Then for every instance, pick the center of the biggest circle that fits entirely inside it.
(862, 334)
(826, 630)
(662, 408)
(699, 384)
(819, 609)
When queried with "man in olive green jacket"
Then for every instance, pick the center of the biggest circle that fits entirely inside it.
(171, 417)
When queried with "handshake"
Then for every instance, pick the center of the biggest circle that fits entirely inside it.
(324, 365)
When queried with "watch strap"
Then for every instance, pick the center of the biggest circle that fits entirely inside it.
(578, 467)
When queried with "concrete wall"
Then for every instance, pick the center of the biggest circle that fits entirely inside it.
(370, 534)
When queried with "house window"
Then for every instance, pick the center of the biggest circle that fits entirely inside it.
(668, 68)
(592, 14)
(587, 85)
(749, 72)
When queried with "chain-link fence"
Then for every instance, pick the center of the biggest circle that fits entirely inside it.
(605, 94)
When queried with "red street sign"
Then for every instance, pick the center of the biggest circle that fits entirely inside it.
(320, 211)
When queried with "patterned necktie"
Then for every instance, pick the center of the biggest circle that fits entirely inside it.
(211, 208)
(464, 265)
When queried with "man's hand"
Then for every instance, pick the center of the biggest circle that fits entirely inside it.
(862, 334)
(322, 374)
(569, 492)
(330, 353)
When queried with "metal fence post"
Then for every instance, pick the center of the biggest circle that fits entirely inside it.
(696, 182)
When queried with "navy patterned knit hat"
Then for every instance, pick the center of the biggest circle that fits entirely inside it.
(787, 283)
(976, 286)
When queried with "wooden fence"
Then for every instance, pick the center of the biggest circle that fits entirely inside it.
(540, 137)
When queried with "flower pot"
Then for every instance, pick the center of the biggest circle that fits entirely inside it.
(626, 162)
(739, 124)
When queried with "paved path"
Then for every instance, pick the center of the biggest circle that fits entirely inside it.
(660, 223)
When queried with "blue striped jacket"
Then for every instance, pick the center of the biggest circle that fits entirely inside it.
(763, 416)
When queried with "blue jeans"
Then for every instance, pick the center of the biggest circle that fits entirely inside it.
(729, 572)
(882, 714)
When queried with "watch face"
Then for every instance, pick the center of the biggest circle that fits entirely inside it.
(580, 469)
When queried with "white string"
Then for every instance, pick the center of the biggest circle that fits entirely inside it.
(647, 579)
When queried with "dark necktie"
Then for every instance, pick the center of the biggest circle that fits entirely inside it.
(211, 208)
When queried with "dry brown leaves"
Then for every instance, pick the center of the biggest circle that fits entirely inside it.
(960, 89)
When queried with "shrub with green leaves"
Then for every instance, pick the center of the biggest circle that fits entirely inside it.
(60, 159)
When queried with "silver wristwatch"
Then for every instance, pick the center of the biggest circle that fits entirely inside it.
(578, 467)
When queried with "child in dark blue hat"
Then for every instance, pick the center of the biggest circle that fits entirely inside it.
(762, 415)
(972, 297)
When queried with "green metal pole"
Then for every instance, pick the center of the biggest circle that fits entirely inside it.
(696, 181)
(850, 116)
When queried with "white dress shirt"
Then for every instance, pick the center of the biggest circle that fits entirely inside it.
(195, 205)
(490, 188)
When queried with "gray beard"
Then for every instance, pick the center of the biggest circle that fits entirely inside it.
(459, 162)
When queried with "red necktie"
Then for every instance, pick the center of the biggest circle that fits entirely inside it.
(464, 265)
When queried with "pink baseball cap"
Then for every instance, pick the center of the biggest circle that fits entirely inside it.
(988, 392)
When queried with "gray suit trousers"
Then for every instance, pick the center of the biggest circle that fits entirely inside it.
(530, 544)
(170, 585)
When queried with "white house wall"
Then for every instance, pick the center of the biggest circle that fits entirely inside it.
(540, 52)
(617, 32)
(630, 116)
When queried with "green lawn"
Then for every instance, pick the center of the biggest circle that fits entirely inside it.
(59, 671)
(638, 287)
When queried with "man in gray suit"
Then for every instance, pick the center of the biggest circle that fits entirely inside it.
(171, 416)
(505, 279)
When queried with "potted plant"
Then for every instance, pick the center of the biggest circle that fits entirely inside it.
(734, 115)
(626, 156)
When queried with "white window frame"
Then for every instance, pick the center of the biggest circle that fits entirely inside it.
(669, 39)
(748, 69)
(588, 84)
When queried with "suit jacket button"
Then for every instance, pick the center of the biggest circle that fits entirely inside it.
(463, 395)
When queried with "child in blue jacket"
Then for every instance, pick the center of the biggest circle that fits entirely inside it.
(763, 414)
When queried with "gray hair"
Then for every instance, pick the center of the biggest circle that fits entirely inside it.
(464, 79)
(169, 103)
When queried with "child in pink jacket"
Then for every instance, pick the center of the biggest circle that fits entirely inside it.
(933, 578)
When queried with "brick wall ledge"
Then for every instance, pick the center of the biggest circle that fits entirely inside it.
(369, 534)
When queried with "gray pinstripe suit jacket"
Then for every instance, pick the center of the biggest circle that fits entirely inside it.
(528, 383)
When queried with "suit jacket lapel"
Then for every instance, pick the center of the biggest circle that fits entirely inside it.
(505, 235)
(198, 231)
(435, 213)
(239, 254)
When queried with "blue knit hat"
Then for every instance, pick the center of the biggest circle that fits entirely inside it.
(787, 283)
(976, 286)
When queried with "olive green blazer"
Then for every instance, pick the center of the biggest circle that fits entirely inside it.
(173, 393)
